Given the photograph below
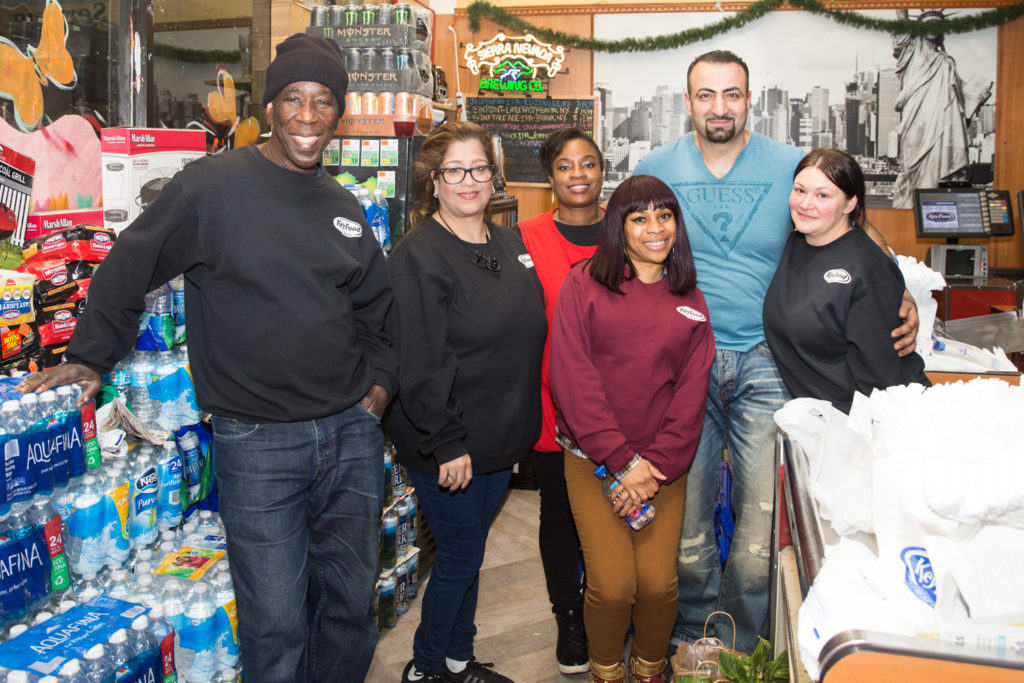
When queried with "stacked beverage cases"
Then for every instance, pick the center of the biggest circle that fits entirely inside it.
(387, 54)
(156, 383)
(165, 614)
(399, 557)
(96, 547)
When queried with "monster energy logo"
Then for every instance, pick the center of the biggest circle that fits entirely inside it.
(351, 17)
(401, 15)
(369, 17)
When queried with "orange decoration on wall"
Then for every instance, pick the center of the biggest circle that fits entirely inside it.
(22, 77)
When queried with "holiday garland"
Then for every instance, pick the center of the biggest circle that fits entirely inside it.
(482, 9)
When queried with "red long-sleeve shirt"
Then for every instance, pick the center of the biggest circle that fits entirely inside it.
(629, 373)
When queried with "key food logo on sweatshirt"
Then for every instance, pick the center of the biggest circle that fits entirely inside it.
(692, 314)
(526, 260)
(347, 227)
(837, 276)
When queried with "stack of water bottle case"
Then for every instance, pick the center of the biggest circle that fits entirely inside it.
(102, 576)
(399, 556)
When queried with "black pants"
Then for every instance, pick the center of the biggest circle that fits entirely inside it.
(559, 543)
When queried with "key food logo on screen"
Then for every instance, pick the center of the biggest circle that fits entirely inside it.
(514, 62)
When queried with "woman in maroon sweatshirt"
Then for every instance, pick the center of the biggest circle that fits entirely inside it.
(631, 349)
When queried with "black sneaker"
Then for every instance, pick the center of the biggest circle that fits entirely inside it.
(571, 648)
(475, 672)
(432, 677)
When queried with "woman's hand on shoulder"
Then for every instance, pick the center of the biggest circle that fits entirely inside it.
(456, 474)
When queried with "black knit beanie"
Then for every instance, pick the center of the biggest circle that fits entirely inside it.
(306, 58)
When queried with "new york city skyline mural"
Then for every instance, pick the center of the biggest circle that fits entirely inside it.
(814, 83)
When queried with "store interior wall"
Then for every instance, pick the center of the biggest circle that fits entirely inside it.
(179, 23)
(896, 225)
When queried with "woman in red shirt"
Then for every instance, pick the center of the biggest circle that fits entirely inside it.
(556, 240)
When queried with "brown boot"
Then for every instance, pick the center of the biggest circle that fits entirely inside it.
(642, 671)
(607, 674)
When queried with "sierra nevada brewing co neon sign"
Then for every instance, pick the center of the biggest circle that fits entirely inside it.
(513, 62)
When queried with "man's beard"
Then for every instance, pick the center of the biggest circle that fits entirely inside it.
(717, 134)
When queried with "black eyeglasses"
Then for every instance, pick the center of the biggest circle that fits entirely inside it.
(454, 175)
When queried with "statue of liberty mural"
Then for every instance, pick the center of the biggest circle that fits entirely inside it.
(932, 117)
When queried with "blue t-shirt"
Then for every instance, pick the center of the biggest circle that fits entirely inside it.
(737, 227)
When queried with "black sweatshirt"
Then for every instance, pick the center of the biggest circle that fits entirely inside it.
(470, 343)
(827, 318)
(286, 290)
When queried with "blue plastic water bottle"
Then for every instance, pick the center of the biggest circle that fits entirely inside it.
(609, 485)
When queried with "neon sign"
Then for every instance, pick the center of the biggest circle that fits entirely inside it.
(513, 62)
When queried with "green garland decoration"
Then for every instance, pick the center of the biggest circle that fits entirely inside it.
(482, 9)
(190, 56)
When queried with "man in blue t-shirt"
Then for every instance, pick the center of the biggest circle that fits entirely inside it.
(733, 187)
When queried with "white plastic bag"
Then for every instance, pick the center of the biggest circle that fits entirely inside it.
(839, 462)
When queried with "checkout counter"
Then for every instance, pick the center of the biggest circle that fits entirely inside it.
(855, 656)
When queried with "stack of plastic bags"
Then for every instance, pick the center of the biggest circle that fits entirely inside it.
(924, 490)
(944, 354)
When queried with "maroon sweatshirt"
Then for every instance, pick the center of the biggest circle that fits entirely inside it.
(629, 373)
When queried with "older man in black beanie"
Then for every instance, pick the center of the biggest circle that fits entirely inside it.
(286, 294)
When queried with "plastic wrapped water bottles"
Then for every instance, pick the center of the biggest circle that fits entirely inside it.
(169, 470)
(226, 621)
(379, 221)
(162, 631)
(71, 420)
(143, 493)
(156, 327)
(117, 532)
(86, 549)
(44, 516)
(198, 636)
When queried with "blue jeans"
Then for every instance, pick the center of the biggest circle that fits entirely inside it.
(744, 393)
(459, 523)
(301, 504)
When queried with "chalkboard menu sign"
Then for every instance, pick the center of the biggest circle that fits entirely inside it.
(524, 124)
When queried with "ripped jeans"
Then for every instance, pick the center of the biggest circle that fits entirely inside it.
(744, 393)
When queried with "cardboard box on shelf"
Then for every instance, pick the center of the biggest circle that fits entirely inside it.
(45, 222)
(138, 163)
(16, 171)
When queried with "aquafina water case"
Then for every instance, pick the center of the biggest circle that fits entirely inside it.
(87, 551)
(20, 485)
(168, 469)
(71, 418)
(47, 440)
(40, 462)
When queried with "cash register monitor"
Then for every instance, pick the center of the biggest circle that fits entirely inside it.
(953, 213)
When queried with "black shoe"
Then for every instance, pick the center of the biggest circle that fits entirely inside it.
(571, 649)
(433, 677)
(475, 672)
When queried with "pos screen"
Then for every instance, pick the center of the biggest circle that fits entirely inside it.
(953, 213)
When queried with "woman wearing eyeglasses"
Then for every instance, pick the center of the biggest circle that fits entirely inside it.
(469, 328)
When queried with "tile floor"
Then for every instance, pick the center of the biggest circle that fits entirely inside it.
(515, 627)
